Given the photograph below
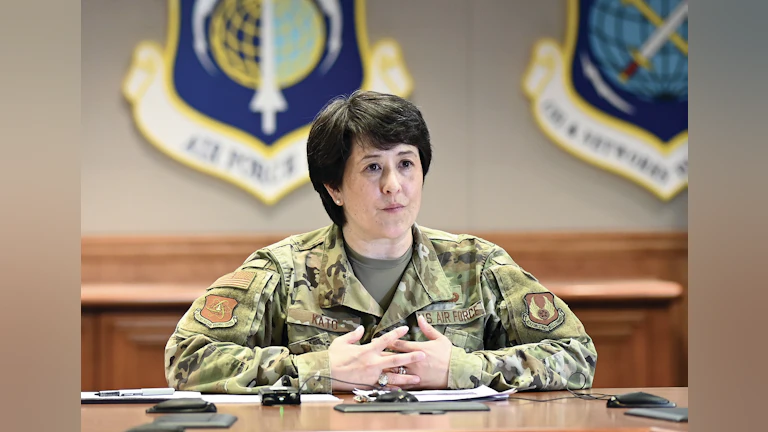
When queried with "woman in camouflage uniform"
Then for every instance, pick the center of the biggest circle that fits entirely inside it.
(374, 298)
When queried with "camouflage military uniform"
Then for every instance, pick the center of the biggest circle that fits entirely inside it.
(276, 315)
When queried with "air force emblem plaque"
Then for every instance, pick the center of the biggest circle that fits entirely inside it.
(235, 88)
(616, 94)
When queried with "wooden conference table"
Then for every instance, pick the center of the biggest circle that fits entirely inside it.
(512, 415)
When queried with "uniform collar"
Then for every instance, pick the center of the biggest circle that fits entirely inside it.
(337, 284)
(423, 282)
(428, 268)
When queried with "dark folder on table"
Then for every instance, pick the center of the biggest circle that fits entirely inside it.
(423, 407)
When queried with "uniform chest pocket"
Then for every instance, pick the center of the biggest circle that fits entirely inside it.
(464, 339)
(463, 327)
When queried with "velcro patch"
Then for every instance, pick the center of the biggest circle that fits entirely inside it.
(453, 316)
(541, 313)
(305, 317)
(217, 312)
(239, 279)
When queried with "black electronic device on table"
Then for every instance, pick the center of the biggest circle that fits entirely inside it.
(280, 396)
(638, 400)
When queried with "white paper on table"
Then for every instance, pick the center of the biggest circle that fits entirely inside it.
(176, 395)
(451, 395)
(256, 399)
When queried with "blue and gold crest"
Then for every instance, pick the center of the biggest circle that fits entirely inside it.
(616, 93)
(234, 90)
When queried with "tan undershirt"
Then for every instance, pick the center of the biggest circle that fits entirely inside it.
(380, 277)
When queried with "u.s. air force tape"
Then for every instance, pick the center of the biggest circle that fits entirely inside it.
(453, 316)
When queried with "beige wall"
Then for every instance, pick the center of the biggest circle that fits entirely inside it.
(493, 169)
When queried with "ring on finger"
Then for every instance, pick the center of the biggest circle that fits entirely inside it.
(383, 380)
(401, 370)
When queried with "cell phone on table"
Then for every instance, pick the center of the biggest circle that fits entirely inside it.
(670, 414)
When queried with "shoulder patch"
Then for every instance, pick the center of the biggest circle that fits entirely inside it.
(239, 279)
(217, 312)
(541, 313)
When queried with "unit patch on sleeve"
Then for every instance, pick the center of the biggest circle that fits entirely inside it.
(541, 313)
(217, 312)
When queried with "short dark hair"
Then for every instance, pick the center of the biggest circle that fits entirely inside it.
(365, 117)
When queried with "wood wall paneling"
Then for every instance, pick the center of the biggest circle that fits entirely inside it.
(88, 342)
(132, 349)
(548, 255)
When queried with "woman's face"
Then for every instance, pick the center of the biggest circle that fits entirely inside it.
(381, 191)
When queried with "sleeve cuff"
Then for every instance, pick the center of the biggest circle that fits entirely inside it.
(464, 369)
(314, 364)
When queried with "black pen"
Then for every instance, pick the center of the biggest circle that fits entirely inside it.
(137, 392)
